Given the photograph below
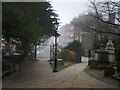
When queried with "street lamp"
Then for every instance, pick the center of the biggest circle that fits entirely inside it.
(55, 57)
(50, 52)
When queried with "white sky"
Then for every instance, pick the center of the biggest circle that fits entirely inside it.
(68, 9)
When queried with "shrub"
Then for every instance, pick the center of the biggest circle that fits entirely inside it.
(92, 63)
(109, 71)
(118, 58)
(101, 66)
(67, 55)
(92, 58)
(75, 46)
(72, 54)
(118, 66)
(60, 62)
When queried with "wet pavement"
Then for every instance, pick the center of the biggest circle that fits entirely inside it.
(40, 75)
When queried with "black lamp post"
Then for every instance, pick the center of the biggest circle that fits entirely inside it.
(50, 52)
(55, 57)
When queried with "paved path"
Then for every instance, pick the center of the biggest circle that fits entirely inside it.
(40, 75)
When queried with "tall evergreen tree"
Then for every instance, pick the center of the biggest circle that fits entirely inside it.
(27, 23)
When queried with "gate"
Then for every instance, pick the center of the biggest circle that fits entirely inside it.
(43, 52)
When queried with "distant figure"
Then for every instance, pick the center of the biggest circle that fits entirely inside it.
(33, 54)
(3, 53)
(89, 53)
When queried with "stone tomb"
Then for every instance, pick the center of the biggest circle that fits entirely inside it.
(106, 55)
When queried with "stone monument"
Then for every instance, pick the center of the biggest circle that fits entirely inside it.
(111, 51)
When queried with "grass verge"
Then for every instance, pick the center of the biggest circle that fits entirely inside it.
(61, 67)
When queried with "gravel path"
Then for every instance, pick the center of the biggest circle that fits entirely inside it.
(40, 75)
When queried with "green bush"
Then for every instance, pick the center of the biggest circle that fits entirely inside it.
(118, 58)
(67, 55)
(101, 66)
(75, 46)
(109, 71)
(92, 63)
(118, 66)
(61, 67)
(60, 62)
(92, 58)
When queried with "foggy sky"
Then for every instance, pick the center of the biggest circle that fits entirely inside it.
(67, 10)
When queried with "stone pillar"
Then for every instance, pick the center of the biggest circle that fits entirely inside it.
(110, 48)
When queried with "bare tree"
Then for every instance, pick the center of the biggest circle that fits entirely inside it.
(108, 12)
(103, 18)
